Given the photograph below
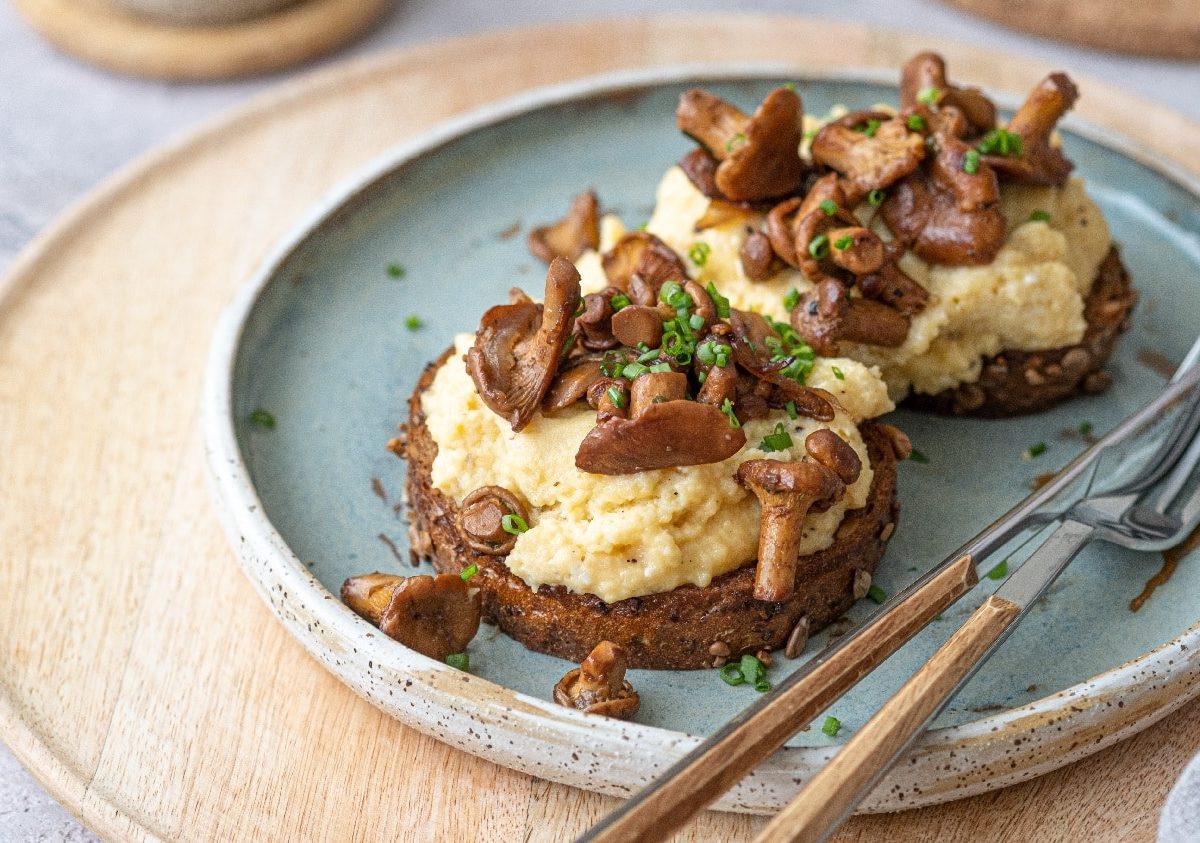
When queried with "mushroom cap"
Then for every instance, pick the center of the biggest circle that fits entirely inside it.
(710, 121)
(768, 163)
(572, 383)
(1039, 162)
(779, 482)
(750, 331)
(757, 256)
(571, 236)
(598, 686)
(869, 162)
(369, 594)
(623, 706)
(833, 452)
(436, 616)
(639, 254)
(928, 70)
(666, 435)
(517, 347)
(481, 519)
(594, 325)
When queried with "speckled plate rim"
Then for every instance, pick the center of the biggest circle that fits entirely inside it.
(538, 737)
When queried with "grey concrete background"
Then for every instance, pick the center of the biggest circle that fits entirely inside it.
(64, 126)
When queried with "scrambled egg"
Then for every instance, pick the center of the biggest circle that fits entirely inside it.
(1030, 298)
(637, 534)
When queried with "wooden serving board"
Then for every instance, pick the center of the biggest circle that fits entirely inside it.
(141, 679)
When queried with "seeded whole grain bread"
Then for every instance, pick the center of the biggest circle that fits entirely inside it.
(671, 630)
(1015, 383)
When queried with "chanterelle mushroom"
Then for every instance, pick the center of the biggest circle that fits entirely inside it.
(571, 236)
(827, 314)
(481, 519)
(598, 686)
(640, 263)
(786, 491)
(1037, 161)
(517, 347)
(436, 616)
(871, 149)
(923, 83)
(759, 156)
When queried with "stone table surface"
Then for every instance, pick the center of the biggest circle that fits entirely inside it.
(64, 126)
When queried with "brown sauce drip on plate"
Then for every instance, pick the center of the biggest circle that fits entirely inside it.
(1171, 560)
(1156, 362)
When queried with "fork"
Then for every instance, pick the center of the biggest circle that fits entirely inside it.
(1139, 513)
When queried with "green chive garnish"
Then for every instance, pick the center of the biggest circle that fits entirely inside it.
(999, 572)
(843, 243)
(762, 686)
(736, 140)
(732, 675)
(699, 253)
(876, 594)
(818, 247)
(838, 373)
(915, 122)
(619, 301)
(261, 418)
(831, 726)
(1039, 216)
(514, 524)
(633, 371)
(876, 197)
(791, 410)
(721, 303)
(1034, 450)
(615, 396)
(459, 660)
(780, 440)
(829, 207)
(869, 128)
(395, 270)
(413, 322)
(929, 96)
(791, 299)
(917, 456)
(727, 409)
(1085, 428)
(468, 572)
(1000, 142)
(970, 162)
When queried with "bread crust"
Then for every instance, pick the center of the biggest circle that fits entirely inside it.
(1015, 383)
(670, 630)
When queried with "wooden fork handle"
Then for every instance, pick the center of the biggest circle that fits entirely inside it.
(832, 793)
(698, 779)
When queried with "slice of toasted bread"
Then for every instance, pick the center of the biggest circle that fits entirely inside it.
(1015, 383)
(673, 629)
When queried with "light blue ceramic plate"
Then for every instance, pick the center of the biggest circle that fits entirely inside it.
(319, 340)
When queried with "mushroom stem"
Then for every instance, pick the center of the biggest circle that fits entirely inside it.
(873, 323)
(655, 388)
(603, 671)
(856, 249)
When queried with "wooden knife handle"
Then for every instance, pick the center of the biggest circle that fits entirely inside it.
(832, 793)
(712, 769)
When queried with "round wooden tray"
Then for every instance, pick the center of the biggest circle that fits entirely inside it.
(99, 32)
(141, 679)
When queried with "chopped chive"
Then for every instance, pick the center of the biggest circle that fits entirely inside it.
(1034, 450)
(791, 410)
(876, 594)
(876, 197)
(696, 321)
(643, 226)
(727, 409)
(736, 140)
(514, 524)
(413, 322)
(615, 396)
(459, 660)
(732, 675)
(869, 128)
(1000, 142)
(762, 686)
(633, 371)
(917, 456)
(699, 253)
(843, 243)
(829, 207)
(999, 572)
(831, 726)
(468, 572)
(1039, 216)
(752, 669)
(719, 301)
(838, 373)
(791, 299)
(1085, 428)
(790, 86)
(818, 247)
(780, 440)
(970, 162)
(262, 418)
(915, 122)
(619, 301)
(395, 270)
(929, 96)
(659, 368)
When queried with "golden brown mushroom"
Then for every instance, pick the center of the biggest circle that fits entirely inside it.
(481, 519)
(893, 286)
(571, 236)
(760, 155)
(872, 150)
(827, 314)
(923, 83)
(638, 323)
(752, 339)
(640, 256)
(757, 256)
(786, 492)
(436, 616)
(594, 325)
(518, 346)
(572, 383)
(598, 686)
(833, 452)
(1037, 161)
